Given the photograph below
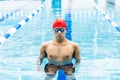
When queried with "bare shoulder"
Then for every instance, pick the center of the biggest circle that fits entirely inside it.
(45, 44)
(74, 44)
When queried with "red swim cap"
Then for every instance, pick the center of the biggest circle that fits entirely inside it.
(59, 23)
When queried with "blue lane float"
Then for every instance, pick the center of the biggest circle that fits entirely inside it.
(2, 18)
(8, 15)
(20, 24)
(114, 24)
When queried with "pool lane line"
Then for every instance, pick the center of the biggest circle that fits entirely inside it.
(102, 12)
(11, 13)
(8, 15)
(20, 24)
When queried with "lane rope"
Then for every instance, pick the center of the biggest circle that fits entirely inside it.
(20, 24)
(4, 17)
(107, 17)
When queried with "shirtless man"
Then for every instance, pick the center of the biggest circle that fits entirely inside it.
(59, 52)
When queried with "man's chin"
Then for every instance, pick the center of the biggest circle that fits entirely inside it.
(60, 37)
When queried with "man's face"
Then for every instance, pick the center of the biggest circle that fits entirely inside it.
(59, 32)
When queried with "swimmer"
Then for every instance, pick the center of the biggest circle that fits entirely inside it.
(59, 52)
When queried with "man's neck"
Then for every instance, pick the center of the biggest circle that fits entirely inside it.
(60, 40)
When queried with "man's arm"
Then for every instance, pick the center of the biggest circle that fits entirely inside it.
(41, 57)
(42, 54)
(76, 55)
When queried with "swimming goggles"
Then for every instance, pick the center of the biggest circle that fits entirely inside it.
(60, 29)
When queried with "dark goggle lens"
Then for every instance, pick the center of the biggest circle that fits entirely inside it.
(61, 29)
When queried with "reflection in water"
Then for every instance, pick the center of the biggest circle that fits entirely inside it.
(68, 21)
(96, 1)
(56, 5)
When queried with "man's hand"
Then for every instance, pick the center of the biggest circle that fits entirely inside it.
(38, 62)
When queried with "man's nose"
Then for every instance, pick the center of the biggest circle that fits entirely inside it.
(59, 31)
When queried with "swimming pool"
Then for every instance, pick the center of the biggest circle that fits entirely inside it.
(98, 39)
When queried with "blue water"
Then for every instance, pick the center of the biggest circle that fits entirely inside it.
(98, 40)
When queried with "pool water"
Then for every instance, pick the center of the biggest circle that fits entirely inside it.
(98, 39)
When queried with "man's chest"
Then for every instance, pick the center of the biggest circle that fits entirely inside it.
(60, 49)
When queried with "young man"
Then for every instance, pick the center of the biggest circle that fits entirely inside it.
(59, 52)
